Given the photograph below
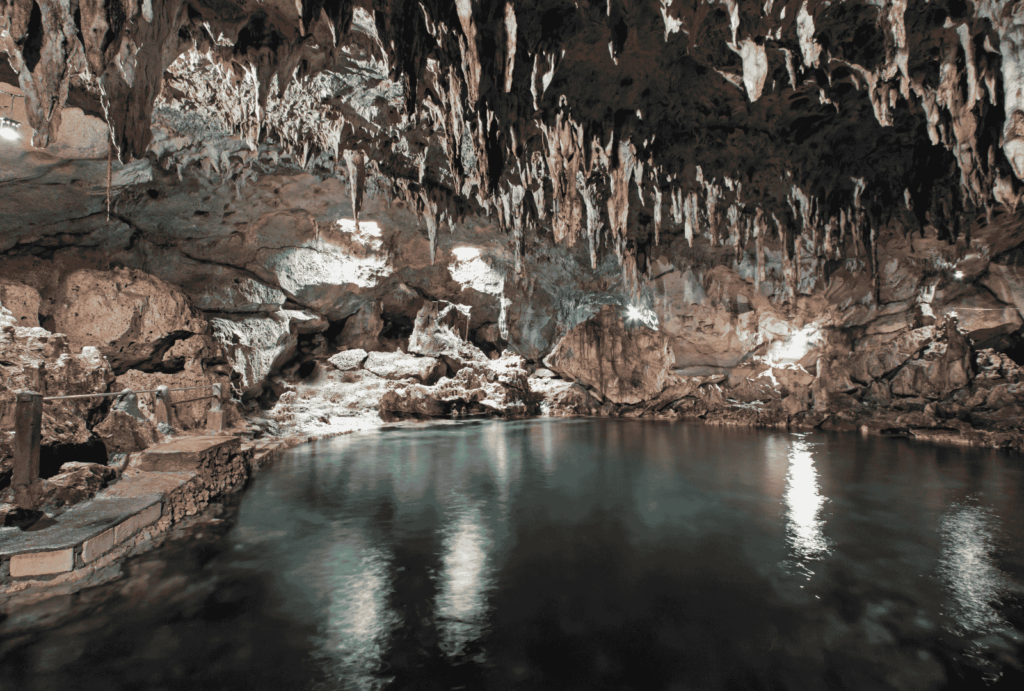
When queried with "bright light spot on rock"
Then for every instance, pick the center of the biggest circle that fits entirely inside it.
(362, 228)
(473, 271)
(958, 275)
(464, 254)
(795, 347)
(647, 317)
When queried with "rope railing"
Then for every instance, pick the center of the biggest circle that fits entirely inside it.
(121, 393)
(29, 421)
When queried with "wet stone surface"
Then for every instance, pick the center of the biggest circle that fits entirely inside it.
(555, 554)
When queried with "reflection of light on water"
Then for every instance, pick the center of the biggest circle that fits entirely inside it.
(461, 602)
(358, 618)
(967, 566)
(549, 450)
(499, 460)
(410, 473)
(805, 529)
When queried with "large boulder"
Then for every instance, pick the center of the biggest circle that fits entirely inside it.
(440, 329)
(396, 366)
(125, 429)
(362, 329)
(493, 387)
(944, 367)
(876, 359)
(256, 346)
(626, 365)
(348, 360)
(130, 316)
(22, 301)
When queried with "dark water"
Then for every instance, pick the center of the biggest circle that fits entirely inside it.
(552, 554)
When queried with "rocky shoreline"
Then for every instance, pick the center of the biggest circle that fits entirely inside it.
(922, 372)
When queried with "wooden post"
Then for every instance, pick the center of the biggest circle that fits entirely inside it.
(34, 375)
(162, 406)
(215, 416)
(28, 434)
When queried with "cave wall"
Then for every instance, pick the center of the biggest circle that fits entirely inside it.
(755, 180)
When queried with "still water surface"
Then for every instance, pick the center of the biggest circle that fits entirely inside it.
(567, 554)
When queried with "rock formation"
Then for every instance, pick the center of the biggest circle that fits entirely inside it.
(808, 211)
(626, 366)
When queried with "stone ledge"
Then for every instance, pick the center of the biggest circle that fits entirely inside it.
(123, 519)
(188, 454)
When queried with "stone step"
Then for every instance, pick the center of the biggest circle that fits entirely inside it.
(188, 454)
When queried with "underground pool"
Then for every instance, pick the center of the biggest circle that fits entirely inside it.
(567, 554)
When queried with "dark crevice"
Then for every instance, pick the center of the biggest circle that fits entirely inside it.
(33, 48)
(52, 457)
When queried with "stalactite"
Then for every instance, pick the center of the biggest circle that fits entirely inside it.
(564, 156)
(759, 232)
(620, 175)
(594, 222)
(510, 44)
(656, 189)
(474, 108)
(355, 163)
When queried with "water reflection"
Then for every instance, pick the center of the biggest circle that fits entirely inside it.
(804, 502)
(967, 564)
(591, 554)
(465, 580)
(358, 618)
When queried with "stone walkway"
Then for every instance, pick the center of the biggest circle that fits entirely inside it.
(162, 485)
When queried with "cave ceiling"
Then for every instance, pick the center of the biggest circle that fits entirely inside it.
(605, 124)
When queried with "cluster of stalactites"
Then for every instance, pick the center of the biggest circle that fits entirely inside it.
(578, 182)
(126, 46)
(980, 57)
(588, 193)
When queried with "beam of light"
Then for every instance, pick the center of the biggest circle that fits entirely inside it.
(805, 528)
